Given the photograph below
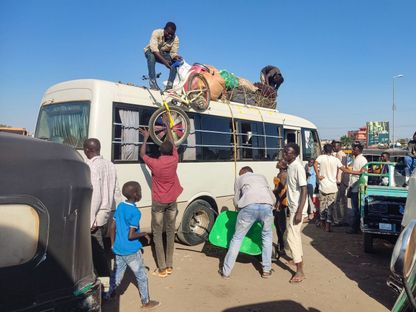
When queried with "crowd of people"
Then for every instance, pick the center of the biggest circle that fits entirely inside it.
(288, 205)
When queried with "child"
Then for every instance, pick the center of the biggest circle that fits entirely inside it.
(280, 188)
(125, 234)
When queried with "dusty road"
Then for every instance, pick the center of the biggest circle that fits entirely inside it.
(340, 277)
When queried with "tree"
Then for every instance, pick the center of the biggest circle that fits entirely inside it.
(346, 141)
(5, 126)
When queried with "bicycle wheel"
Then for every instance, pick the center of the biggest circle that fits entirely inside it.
(180, 129)
(198, 92)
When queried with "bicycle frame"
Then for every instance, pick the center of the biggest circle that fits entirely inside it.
(166, 105)
(180, 92)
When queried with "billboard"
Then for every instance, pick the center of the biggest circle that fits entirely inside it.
(378, 133)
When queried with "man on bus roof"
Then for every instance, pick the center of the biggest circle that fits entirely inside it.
(271, 76)
(162, 48)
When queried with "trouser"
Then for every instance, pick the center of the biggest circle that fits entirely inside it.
(294, 238)
(100, 260)
(164, 216)
(341, 204)
(311, 205)
(245, 219)
(151, 65)
(280, 224)
(355, 222)
(327, 202)
(136, 264)
(410, 164)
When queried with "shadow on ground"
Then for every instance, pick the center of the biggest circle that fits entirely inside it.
(272, 306)
(346, 251)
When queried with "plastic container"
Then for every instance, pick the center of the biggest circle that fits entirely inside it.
(223, 230)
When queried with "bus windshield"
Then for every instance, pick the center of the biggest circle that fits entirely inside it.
(64, 123)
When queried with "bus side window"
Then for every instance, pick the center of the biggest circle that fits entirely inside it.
(187, 151)
(126, 138)
(291, 137)
(310, 143)
(245, 145)
(273, 141)
(213, 141)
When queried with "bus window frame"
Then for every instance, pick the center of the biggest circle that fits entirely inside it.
(261, 134)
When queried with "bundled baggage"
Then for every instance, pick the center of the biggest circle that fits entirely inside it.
(242, 95)
(266, 95)
(231, 80)
(227, 86)
(215, 82)
(246, 84)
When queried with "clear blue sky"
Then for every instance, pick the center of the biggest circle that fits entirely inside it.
(337, 57)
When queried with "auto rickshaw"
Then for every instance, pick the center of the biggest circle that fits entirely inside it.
(381, 206)
(402, 267)
(45, 244)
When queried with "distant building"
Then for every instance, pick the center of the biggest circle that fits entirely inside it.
(373, 134)
(359, 135)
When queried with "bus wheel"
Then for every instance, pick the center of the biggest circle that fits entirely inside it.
(197, 222)
(180, 129)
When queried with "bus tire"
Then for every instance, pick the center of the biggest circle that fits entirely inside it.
(200, 101)
(180, 130)
(197, 222)
(368, 242)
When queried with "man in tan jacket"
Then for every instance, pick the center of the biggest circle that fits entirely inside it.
(162, 48)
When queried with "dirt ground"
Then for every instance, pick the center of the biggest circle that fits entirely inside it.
(339, 277)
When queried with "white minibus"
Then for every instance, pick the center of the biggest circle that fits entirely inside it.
(224, 138)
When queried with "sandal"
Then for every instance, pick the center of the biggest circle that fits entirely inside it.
(160, 273)
(296, 279)
(267, 274)
(169, 270)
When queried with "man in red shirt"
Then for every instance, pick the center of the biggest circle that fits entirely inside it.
(165, 190)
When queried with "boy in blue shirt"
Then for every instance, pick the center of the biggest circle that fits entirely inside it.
(125, 234)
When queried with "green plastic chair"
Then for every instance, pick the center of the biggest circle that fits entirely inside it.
(223, 230)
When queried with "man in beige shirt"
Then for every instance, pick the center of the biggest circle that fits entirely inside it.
(162, 48)
(103, 201)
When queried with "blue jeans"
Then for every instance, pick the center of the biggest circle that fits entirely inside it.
(151, 65)
(135, 263)
(410, 163)
(245, 219)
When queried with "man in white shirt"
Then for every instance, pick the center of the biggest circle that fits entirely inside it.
(104, 187)
(357, 169)
(297, 194)
(255, 200)
(343, 179)
(326, 168)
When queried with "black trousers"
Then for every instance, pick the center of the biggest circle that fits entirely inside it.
(99, 257)
(280, 224)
